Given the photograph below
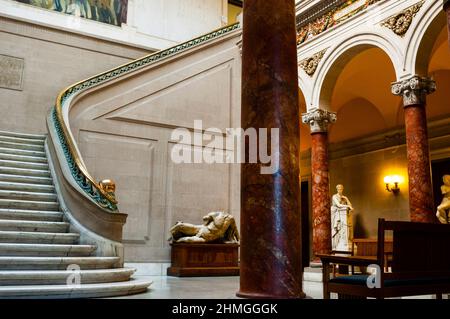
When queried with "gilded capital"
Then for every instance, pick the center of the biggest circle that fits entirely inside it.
(414, 90)
(319, 120)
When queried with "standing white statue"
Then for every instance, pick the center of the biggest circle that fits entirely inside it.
(341, 221)
(443, 210)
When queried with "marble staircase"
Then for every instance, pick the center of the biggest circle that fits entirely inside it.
(39, 255)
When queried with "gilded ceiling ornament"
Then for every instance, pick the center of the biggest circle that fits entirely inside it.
(310, 64)
(401, 22)
(414, 90)
(319, 120)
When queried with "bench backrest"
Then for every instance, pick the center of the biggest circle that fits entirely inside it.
(418, 248)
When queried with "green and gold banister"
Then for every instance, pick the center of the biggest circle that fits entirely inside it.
(77, 168)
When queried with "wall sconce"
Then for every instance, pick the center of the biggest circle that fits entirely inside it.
(392, 183)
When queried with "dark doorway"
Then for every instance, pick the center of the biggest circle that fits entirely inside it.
(439, 168)
(306, 224)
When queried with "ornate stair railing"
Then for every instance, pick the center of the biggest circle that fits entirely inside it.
(103, 193)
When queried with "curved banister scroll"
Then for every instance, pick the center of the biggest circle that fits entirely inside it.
(76, 165)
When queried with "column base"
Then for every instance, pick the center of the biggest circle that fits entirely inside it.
(249, 295)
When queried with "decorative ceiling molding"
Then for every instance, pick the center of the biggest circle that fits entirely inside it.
(310, 65)
(401, 22)
(328, 14)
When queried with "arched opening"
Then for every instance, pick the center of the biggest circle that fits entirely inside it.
(305, 145)
(358, 88)
(438, 106)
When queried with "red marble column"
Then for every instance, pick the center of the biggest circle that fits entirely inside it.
(271, 265)
(414, 92)
(319, 121)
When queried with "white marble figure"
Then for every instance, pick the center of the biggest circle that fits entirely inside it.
(341, 221)
(443, 210)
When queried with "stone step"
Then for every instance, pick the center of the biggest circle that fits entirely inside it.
(34, 226)
(30, 215)
(21, 140)
(26, 204)
(40, 137)
(21, 146)
(21, 237)
(19, 152)
(24, 172)
(26, 165)
(23, 158)
(56, 263)
(46, 250)
(37, 188)
(26, 179)
(32, 196)
(63, 277)
(102, 290)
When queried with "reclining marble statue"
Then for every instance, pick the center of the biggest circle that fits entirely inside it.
(217, 227)
(443, 210)
(341, 221)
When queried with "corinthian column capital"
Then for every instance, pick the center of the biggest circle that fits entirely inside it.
(414, 90)
(319, 120)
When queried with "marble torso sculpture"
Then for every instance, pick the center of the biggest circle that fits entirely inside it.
(443, 210)
(341, 221)
(216, 227)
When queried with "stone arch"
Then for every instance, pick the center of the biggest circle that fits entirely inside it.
(337, 57)
(420, 44)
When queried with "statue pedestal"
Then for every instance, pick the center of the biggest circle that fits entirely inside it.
(342, 239)
(204, 260)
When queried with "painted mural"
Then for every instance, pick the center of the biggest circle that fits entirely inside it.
(107, 11)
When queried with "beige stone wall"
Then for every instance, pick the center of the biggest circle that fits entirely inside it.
(362, 176)
(53, 60)
(124, 132)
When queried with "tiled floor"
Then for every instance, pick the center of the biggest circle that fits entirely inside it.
(164, 287)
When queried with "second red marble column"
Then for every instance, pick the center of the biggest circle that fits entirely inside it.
(319, 121)
(414, 91)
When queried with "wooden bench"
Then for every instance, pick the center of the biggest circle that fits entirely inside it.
(420, 264)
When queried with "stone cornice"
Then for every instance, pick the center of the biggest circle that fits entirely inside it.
(319, 120)
(317, 11)
(401, 22)
(414, 90)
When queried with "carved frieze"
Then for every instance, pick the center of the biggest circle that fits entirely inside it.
(311, 24)
(310, 65)
(401, 22)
